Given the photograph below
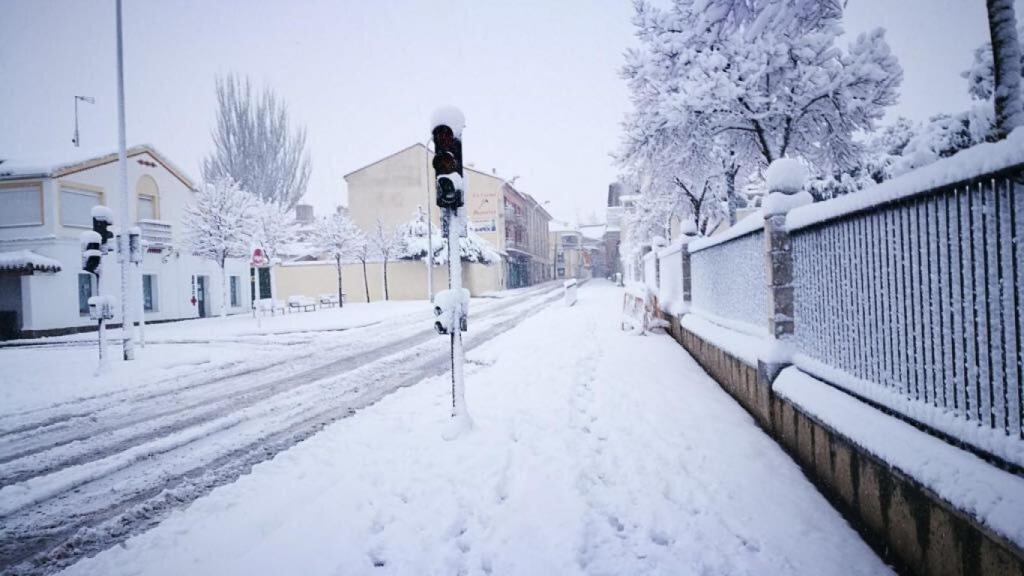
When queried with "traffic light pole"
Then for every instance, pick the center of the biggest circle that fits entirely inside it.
(453, 225)
(122, 167)
(451, 305)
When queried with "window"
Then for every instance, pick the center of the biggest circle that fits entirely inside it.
(76, 206)
(147, 208)
(236, 291)
(86, 289)
(149, 292)
(23, 206)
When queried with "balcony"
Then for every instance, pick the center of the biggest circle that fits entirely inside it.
(156, 234)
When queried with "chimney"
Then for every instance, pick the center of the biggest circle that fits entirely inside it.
(303, 213)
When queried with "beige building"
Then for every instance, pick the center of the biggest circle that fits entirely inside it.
(567, 251)
(390, 192)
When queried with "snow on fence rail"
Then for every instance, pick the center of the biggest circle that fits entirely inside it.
(729, 281)
(909, 296)
(922, 296)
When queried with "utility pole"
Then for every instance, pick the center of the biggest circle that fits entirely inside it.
(452, 306)
(88, 99)
(126, 205)
(430, 226)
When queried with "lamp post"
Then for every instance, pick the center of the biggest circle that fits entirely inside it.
(122, 169)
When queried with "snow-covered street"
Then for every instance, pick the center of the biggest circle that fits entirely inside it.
(88, 471)
(594, 451)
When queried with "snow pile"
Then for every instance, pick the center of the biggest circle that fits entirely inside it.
(787, 175)
(449, 116)
(28, 261)
(993, 496)
(970, 163)
(594, 452)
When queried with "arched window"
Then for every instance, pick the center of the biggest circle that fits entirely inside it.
(147, 206)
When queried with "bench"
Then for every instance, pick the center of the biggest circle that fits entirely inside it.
(267, 305)
(331, 300)
(303, 303)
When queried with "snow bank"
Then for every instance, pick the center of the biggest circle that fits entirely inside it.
(970, 163)
(983, 437)
(736, 340)
(752, 223)
(26, 260)
(993, 496)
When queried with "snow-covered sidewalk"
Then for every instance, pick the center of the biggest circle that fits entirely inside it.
(594, 452)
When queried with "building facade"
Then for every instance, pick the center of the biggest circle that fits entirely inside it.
(390, 192)
(45, 210)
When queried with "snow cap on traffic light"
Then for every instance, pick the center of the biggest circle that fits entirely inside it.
(449, 116)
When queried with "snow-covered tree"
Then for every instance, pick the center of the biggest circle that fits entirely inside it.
(340, 239)
(217, 225)
(387, 244)
(274, 227)
(413, 244)
(746, 82)
(255, 145)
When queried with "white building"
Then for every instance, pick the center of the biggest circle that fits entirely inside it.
(45, 209)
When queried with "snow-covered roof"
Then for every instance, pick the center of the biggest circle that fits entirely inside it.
(593, 231)
(21, 169)
(27, 262)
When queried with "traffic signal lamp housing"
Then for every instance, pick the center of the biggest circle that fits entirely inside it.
(91, 251)
(448, 167)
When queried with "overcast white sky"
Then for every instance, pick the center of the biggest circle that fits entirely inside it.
(537, 79)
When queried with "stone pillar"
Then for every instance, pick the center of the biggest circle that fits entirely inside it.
(786, 179)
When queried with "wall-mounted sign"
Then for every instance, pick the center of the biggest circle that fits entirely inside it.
(483, 225)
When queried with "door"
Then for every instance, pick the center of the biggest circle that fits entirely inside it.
(265, 291)
(201, 295)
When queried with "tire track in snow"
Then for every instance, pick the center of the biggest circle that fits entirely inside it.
(94, 434)
(84, 519)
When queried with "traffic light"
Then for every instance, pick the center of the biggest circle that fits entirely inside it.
(91, 251)
(102, 218)
(448, 167)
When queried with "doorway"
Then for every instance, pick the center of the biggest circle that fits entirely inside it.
(201, 295)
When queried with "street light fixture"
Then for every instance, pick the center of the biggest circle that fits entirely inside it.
(88, 99)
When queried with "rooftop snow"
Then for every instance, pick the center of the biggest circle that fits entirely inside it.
(27, 261)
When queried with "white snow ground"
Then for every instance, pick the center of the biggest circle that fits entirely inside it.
(594, 452)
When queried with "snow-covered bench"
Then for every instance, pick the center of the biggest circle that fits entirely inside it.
(267, 305)
(303, 303)
(331, 300)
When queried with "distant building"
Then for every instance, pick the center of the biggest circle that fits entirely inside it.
(567, 251)
(391, 191)
(47, 206)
